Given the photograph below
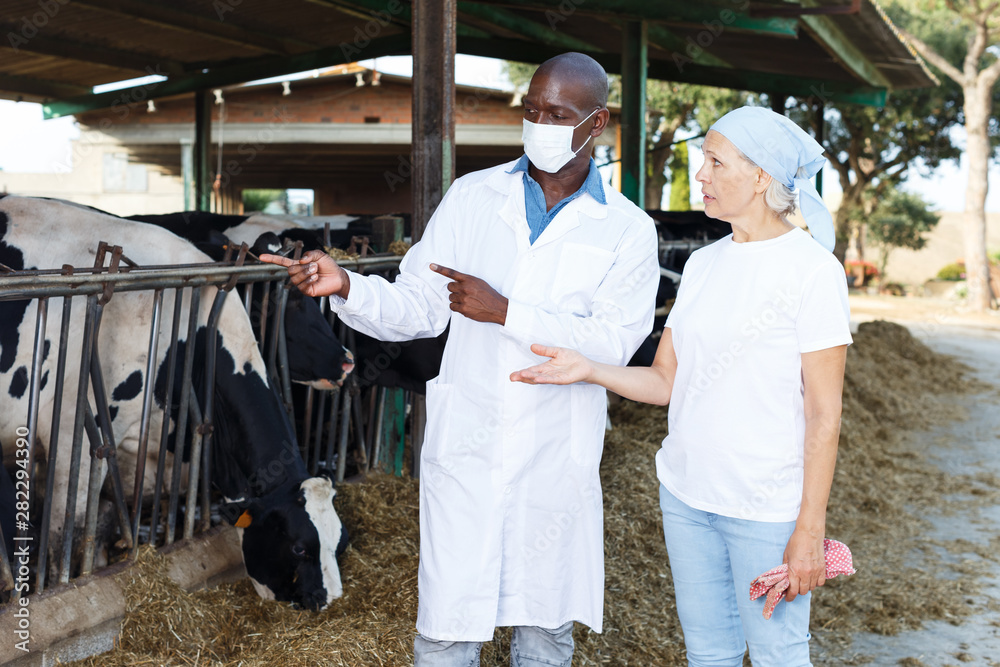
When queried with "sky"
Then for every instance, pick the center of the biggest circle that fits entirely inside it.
(30, 144)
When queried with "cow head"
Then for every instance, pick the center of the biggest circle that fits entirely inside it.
(291, 539)
(315, 356)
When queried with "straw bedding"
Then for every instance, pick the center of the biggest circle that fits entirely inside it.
(893, 384)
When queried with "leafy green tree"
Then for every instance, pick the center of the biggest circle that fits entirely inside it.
(671, 107)
(519, 75)
(257, 200)
(680, 179)
(874, 149)
(900, 220)
(932, 27)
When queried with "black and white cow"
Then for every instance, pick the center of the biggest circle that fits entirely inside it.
(407, 365)
(290, 530)
(199, 226)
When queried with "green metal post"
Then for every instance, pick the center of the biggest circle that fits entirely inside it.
(393, 432)
(635, 52)
(187, 173)
(202, 146)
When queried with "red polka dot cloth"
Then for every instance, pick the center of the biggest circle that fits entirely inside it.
(774, 583)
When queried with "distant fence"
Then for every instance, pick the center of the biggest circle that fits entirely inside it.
(324, 433)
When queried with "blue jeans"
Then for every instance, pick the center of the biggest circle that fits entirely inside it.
(713, 559)
(529, 647)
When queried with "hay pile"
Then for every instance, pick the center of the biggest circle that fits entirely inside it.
(893, 384)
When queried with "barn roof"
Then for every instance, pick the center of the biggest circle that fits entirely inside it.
(56, 51)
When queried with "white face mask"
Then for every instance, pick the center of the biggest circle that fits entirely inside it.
(550, 147)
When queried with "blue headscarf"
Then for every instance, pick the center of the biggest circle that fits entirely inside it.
(780, 147)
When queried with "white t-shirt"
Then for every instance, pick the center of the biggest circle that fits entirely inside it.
(744, 315)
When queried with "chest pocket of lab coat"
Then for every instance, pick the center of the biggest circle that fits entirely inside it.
(580, 271)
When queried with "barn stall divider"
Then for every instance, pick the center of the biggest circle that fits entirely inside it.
(324, 431)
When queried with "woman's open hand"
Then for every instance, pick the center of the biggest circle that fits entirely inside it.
(565, 367)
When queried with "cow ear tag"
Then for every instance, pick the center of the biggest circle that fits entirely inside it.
(245, 520)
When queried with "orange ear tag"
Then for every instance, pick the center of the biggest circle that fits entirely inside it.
(244, 520)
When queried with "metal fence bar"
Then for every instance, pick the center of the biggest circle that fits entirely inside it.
(168, 399)
(93, 493)
(21, 286)
(194, 465)
(180, 428)
(82, 405)
(280, 299)
(359, 426)
(331, 433)
(379, 417)
(203, 433)
(144, 423)
(284, 372)
(306, 442)
(248, 297)
(331, 436)
(344, 424)
(108, 449)
(53, 449)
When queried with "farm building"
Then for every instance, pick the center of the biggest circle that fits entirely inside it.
(344, 134)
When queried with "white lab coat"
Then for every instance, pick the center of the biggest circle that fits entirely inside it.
(511, 520)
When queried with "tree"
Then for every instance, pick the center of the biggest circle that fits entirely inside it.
(900, 220)
(680, 179)
(258, 200)
(873, 150)
(668, 108)
(977, 72)
(671, 107)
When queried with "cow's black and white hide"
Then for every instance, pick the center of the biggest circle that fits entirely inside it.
(198, 227)
(256, 461)
(315, 356)
(407, 365)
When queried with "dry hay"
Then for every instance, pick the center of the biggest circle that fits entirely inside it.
(893, 384)
(398, 248)
(342, 255)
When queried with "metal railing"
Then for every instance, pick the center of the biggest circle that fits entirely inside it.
(330, 417)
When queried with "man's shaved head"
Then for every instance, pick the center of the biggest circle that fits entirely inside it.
(581, 70)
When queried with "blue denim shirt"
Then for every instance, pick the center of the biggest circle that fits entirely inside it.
(534, 198)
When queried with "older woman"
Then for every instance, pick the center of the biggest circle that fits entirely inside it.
(752, 364)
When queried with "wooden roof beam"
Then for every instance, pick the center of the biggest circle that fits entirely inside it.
(682, 50)
(212, 27)
(248, 70)
(832, 39)
(520, 25)
(40, 87)
(396, 12)
(726, 14)
(94, 54)
(385, 11)
(667, 70)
